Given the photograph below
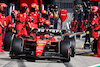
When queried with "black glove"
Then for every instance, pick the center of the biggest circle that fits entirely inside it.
(18, 20)
(63, 31)
(94, 25)
(4, 29)
(96, 30)
(30, 30)
(87, 26)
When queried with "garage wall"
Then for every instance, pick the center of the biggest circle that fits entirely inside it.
(65, 4)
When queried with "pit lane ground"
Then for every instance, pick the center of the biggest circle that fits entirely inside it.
(83, 58)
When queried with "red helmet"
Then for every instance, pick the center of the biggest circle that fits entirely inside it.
(51, 6)
(44, 12)
(30, 19)
(46, 36)
(47, 22)
(33, 5)
(2, 6)
(14, 13)
(24, 5)
(94, 9)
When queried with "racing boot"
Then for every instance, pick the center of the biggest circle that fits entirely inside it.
(98, 49)
(1, 49)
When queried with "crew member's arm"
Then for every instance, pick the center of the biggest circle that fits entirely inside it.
(5, 23)
(1, 25)
(29, 25)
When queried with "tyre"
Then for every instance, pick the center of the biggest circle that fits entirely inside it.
(73, 44)
(94, 46)
(16, 48)
(7, 41)
(17, 45)
(65, 45)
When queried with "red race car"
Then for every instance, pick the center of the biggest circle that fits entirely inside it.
(47, 44)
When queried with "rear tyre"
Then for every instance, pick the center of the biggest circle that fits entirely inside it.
(17, 45)
(7, 41)
(16, 48)
(65, 46)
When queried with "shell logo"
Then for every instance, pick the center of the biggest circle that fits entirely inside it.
(21, 15)
(1, 16)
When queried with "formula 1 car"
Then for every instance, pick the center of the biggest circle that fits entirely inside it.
(48, 44)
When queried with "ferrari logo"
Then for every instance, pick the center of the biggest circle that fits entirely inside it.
(31, 5)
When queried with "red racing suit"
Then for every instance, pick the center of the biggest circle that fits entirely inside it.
(95, 23)
(96, 26)
(20, 26)
(9, 23)
(35, 16)
(2, 20)
(41, 20)
(32, 26)
(98, 45)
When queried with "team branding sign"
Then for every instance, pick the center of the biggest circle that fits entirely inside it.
(63, 15)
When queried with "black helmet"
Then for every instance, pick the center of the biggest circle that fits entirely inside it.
(55, 8)
(51, 8)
